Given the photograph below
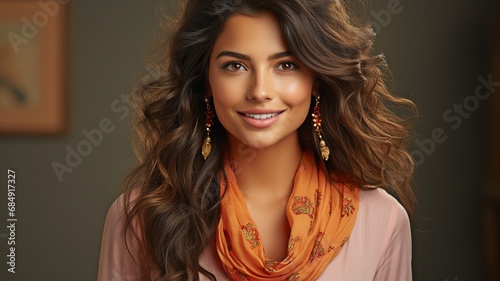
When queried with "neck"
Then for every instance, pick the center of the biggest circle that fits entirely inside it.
(266, 174)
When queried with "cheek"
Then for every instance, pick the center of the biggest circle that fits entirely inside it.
(224, 100)
(224, 89)
(223, 96)
(220, 92)
(298, 93)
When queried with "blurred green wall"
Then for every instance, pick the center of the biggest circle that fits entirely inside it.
(60, 222)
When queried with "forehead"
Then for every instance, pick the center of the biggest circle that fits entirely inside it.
(252, 34)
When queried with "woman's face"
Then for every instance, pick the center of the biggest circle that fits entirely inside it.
(261, 92)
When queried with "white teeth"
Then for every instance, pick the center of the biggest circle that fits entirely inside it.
(261, 116)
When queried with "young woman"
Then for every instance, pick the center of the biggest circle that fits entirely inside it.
(267, 152)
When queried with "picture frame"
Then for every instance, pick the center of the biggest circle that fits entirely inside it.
(33, 66)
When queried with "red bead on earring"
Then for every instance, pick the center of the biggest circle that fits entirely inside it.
(316, 118)
(206, 148)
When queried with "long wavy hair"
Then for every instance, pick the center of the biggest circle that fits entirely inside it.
(175, 211)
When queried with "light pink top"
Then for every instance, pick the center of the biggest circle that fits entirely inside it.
(379, 247)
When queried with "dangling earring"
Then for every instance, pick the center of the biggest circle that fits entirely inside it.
(206, 148)
(316, 118)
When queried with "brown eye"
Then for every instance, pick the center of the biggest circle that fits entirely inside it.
(234, 66)
(286, 66)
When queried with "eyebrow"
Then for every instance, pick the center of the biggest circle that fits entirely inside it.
(246, 57)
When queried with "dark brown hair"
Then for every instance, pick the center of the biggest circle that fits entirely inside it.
(177, 206)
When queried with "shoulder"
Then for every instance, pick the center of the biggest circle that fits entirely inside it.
(117, 209)
(383, 227)
(390, 225)
(379, 247)
(379, 199)
(116, 261)
(377, 203)
(381, 214)
(116, 221)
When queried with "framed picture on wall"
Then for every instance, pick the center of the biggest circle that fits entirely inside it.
(33, 66)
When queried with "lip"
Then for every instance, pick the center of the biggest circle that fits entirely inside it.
(260, 118)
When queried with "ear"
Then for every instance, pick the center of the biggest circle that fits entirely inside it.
(315, 89)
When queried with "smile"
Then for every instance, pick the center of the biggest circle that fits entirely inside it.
(261, 120)
(261, 116)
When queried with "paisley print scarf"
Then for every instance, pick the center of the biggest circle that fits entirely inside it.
(321, 217)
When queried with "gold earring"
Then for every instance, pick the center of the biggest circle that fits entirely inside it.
(206, 148)
(316, 118)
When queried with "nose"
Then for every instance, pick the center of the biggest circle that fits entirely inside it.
(260, 89)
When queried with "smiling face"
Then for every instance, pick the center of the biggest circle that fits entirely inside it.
(261, 92)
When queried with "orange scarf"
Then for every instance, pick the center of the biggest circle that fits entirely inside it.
(321, 217)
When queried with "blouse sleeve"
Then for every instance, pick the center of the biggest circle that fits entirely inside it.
(395, 263)
(116, 263)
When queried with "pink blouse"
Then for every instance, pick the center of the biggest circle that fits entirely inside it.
(379, 247)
